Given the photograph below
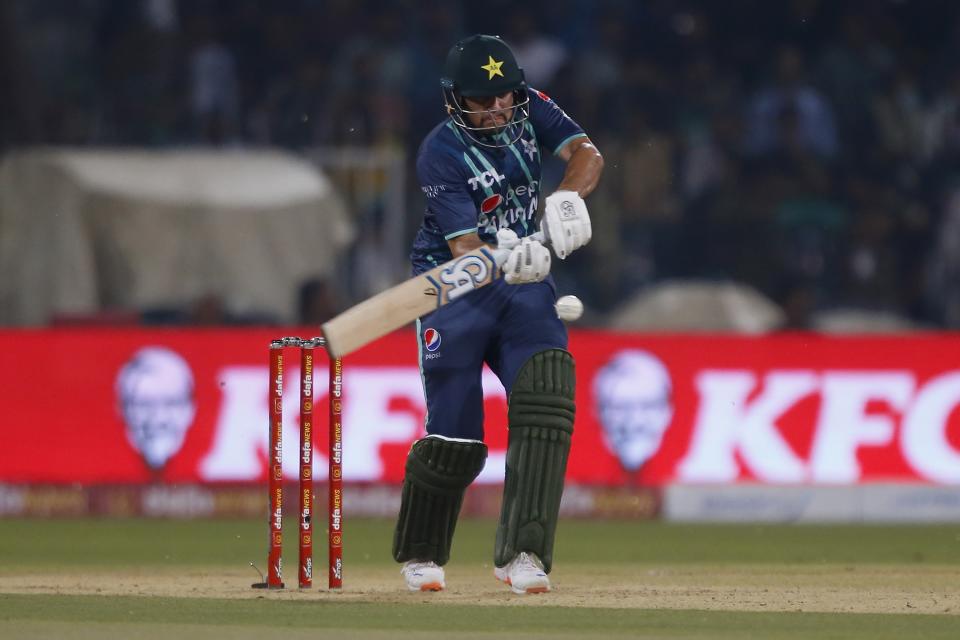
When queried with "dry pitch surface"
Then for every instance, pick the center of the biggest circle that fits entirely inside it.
(847, 589)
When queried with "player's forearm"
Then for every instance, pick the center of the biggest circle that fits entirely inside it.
(583, 170)
(465, 243)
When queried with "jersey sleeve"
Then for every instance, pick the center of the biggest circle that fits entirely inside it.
(449, 204)
(553, 126)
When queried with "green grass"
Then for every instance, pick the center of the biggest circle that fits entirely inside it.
(579, 622)
(53, 546)
(38, 543)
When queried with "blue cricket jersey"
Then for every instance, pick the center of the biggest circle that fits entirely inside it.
(471, 188)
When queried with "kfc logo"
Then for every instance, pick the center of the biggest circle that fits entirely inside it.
(707, 412)
(155, 394)
(738, 414)
(633, 396)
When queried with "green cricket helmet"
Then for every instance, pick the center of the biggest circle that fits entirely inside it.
(480, 66)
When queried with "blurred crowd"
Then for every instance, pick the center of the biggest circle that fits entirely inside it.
(810, 148)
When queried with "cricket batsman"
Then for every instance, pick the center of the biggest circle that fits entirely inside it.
(480, 172)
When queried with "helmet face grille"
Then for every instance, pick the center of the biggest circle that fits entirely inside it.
(502, 136)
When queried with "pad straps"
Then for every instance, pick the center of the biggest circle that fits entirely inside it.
(541, 416)
(438, 472)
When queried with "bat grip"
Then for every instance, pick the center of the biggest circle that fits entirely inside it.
(500, 255)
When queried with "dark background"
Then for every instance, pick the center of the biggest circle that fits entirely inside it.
(809, 148)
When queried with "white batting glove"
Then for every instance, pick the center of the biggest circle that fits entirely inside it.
(566, 223)
(507, 239)
(528, 260)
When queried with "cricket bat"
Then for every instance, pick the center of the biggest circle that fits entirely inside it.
(407, 301)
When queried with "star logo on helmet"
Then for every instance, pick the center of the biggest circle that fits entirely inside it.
(493, 68)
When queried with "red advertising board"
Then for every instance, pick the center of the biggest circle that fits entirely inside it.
(94, 406)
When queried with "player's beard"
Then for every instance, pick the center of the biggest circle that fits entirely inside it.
(493, 123)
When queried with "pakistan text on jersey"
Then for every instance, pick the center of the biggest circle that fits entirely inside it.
(492, 224)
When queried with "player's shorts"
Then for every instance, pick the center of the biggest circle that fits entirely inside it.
(500, 324)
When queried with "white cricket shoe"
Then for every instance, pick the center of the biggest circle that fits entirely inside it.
(423, 576)
(524, 574)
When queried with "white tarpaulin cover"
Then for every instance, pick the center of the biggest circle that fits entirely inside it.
(698, 306)
(81, 230)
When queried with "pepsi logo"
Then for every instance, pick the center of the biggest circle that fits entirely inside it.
(491, 203)
(431, 338)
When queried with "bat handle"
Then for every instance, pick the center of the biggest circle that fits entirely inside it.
(500, 255)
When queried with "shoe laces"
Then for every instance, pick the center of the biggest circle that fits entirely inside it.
(417, 565)
(528, 561)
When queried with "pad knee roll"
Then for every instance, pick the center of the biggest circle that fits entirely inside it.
(438, 472)
(540, 415)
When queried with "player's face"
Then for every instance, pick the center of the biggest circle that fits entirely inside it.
(489, 112)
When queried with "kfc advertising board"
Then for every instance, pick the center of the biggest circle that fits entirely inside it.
(95, 406)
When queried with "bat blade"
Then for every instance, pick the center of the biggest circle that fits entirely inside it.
(407, 301)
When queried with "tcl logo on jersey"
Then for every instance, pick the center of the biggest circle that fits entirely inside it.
(486, 180)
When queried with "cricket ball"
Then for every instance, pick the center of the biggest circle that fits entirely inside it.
(569, 308)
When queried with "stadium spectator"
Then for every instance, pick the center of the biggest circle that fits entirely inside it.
(791, 112)
(744, 141)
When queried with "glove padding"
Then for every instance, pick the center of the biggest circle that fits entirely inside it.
(528, 260)
(566, 223)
